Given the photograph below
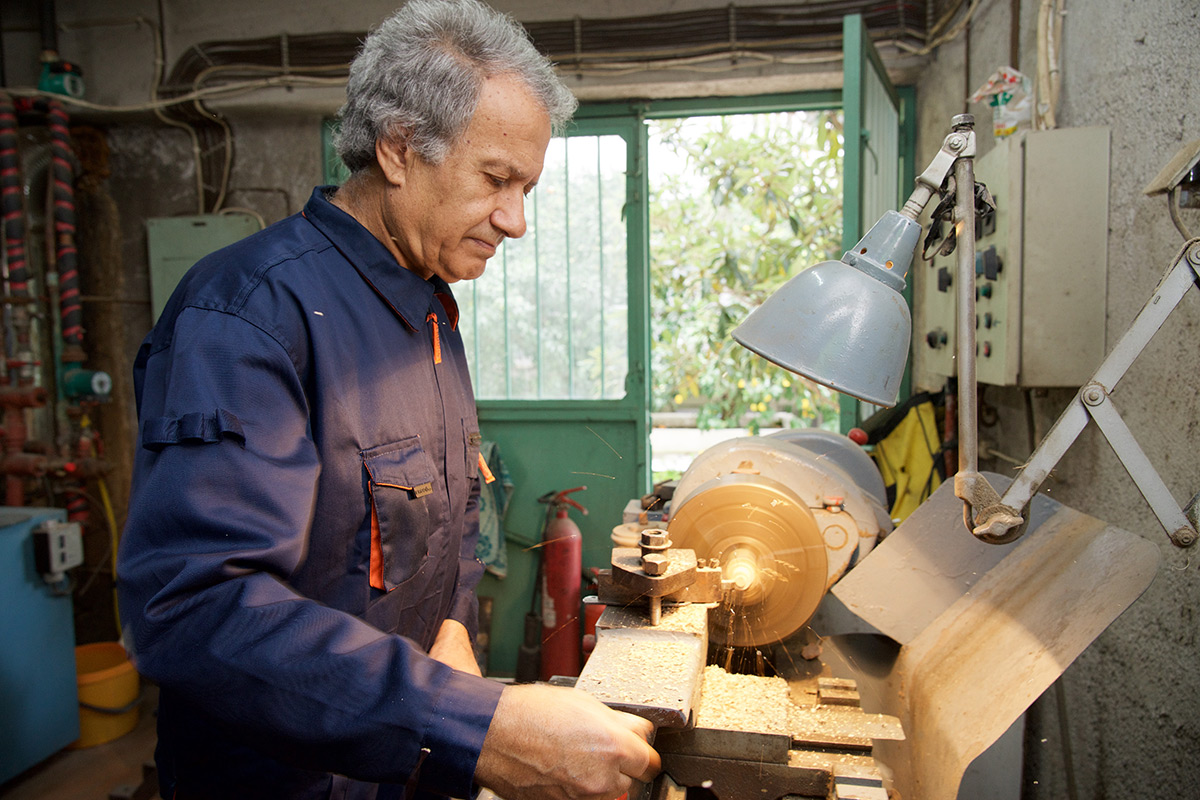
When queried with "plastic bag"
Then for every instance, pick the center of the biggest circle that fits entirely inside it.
(1008, 92)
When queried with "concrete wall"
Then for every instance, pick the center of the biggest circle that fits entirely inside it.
(1131, 700)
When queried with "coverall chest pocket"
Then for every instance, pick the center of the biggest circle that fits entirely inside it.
(405, 498)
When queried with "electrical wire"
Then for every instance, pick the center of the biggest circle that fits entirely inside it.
(110, 554)
(718, 60)
(114, 541)
(950, 35)
(811, 42)
(262, 223)
(1173, 210)
(305, 61)
(1049, 82)
(227, 166)
(101, 567)
(160, 65)
(224, 90)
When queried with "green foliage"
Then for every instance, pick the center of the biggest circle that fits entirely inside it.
(742, 205)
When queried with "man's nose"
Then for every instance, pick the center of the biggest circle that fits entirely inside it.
(509, 215)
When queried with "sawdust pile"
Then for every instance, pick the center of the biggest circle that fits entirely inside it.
(743, 702)
(687, 618)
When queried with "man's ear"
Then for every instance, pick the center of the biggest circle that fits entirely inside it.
(393, 155)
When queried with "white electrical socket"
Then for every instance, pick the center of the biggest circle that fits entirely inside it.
(57, 547)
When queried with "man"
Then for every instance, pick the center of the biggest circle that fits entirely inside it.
(297, 571)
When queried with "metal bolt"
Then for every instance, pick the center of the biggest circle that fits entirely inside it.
(955, 143)
(1194, 254)
(655, 563)
(1184, 537)
(1093, 395)
(962, 121)
(654, 540)
(654, 536)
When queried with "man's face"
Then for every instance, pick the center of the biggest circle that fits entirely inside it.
(447, 219)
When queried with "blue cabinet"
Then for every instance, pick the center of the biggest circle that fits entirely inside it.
(39, 711)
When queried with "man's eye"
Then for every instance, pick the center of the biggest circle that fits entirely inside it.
(497, 181)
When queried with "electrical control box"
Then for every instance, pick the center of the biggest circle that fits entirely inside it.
(176, 243)
(1041, 265)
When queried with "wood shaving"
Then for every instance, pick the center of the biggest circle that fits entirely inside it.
(743, 702)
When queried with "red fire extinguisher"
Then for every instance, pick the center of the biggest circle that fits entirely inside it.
(561, 589)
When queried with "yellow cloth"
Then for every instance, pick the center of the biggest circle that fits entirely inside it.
(908, 456)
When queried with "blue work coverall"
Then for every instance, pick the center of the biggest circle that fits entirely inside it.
(306, 422)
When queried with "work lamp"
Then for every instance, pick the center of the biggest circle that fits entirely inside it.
(845, 325)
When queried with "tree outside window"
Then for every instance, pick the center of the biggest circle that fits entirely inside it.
(738, 205)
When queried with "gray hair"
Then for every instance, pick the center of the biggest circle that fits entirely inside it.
(419, 75)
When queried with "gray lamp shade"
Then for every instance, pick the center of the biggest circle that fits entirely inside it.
(844, 324)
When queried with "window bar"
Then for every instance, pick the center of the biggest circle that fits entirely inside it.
(478, 376)
(567, 247)
(537, 295)
(600, 249)
(507, 345)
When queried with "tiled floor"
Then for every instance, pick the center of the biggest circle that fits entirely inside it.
(94, 772)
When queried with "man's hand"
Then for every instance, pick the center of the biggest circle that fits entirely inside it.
(453, 647)
(553, 743)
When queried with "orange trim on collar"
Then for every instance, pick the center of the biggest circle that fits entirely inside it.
(437, 339)
(451, 308)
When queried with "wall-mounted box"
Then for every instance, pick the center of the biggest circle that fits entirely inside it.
(176, 243)
(1041, 267)
(39, 711)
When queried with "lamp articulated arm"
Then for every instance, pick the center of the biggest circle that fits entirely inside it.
(994, 521)
(997, 519)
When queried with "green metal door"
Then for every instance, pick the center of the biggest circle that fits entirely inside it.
(879, 131)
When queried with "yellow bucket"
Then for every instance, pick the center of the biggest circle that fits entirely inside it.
(108, 693)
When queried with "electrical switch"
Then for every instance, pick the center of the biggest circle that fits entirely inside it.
(985, 222)
(944, 280)
(936, 338)
(989, 261)
(985, 290)
(57, 547)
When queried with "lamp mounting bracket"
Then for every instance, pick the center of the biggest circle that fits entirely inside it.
(959, 143)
